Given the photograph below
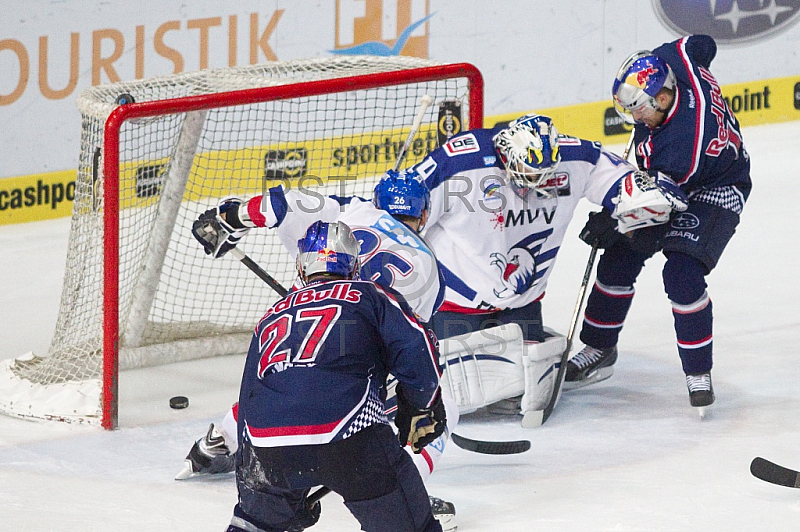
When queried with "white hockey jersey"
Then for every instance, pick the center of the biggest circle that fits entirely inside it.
(392, 255)
(496, 248)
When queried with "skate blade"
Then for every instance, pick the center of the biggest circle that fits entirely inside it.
(186, 472)
(703, 411)
(598, 376)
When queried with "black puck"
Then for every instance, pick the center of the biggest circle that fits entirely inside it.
(179, 402)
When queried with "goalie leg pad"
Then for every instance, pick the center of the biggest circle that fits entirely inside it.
(541, 362)
(483, 367)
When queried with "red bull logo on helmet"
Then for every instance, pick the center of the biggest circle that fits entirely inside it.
(326, 255)
(641, 77)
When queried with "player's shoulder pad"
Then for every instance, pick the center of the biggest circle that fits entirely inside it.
(573, 149)
(469, 150)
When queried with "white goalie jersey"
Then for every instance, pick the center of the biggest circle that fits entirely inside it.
(496, 248)
(392, 255)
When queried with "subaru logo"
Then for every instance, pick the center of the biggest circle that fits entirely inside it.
(685, 220)
(728, 21)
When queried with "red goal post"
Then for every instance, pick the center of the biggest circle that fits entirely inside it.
(336, 121)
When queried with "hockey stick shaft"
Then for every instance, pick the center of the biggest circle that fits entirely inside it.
(258, 270)
(536, 418)
(425, 102)
(313, 498)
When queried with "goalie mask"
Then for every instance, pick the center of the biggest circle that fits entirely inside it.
(402, 193)
(528, 148)
(638, 81)
(328, 247)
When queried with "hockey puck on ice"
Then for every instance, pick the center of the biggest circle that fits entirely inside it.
(179, 402)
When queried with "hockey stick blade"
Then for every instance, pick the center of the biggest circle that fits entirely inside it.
(533, 419)
(774, 474)
(491, 447)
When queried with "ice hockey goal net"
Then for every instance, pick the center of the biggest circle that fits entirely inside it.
(138, 289)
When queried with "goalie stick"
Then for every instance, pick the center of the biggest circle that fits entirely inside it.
(536, 418)
(774, 474)
(424, 102)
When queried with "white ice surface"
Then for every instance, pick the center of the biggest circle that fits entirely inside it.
(628, 454)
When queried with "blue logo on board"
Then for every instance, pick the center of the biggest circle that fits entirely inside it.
(728, 21)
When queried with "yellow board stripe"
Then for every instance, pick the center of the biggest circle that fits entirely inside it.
(49, 195)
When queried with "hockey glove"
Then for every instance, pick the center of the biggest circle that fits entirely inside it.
(416, 427)
(600, 230)
(647, 240)
(219, 229)
(644, 200)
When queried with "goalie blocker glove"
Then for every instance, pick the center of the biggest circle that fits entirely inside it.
(219, 229)
(600, 230)
(419, 427)
(644, 200)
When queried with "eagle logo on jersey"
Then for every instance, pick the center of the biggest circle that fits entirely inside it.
(518, 269)
(521, 267)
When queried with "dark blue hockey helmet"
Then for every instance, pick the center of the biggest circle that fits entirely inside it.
(638, 81)
(328, 247)
(402, 192)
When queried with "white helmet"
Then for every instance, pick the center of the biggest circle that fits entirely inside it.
(528, 148)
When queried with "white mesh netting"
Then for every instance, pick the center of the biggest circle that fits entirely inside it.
(175, 303)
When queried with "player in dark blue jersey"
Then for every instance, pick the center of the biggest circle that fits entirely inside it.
(311, 406)
(684, 131)
(392, 255)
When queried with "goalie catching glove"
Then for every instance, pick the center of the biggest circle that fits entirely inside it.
(644, 200)
(219, 229)
(417, 428)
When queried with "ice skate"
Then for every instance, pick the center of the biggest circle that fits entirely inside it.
(209, 455)
(445, 513)
(589, 366)
(701, 392)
